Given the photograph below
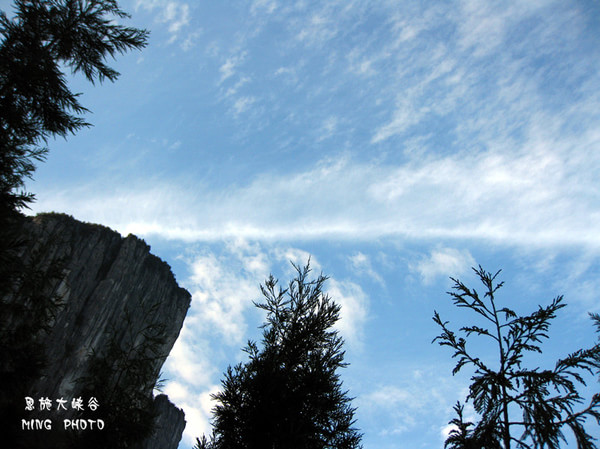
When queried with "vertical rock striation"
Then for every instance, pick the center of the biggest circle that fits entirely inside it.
(168, 425)
(116, 303)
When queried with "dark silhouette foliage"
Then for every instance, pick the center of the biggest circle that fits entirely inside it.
(517, 405)
(288, 394)
(26, 311)
(35, 101)
(42, 39)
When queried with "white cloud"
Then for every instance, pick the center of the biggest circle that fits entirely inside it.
(174, 145)
(290, 76)
(404, 116)
(263, 6)
(190, 358)
(408, 399)
(298, 257)
(236, 87)
(400, 407)
(361, 264)
(284, 71)
(542, 196)
(317, 30)
(242, 104)
(354, 309)
(224, 292)
(190, 40)
(483, 26)
(223, 287)
(328, 129)
(228, 68)
(391, 396)
(444, 262)
(176, 391)
(361, 62)
(232, 83)
(197, 409)
(175, 14)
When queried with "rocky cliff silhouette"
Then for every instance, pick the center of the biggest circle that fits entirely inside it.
(94, 316)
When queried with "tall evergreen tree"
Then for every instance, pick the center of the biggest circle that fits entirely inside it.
(35, 101)
(522, 407)
(288, 394)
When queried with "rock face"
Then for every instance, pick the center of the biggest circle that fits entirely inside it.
(119, 310)
(168, 426)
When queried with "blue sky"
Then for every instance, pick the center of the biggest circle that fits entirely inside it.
(397, 143)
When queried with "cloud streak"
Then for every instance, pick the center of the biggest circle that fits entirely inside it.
(542, 194)
(494, 147)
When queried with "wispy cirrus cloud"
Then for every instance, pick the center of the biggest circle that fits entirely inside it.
(400, 406)
(361, 264)
(441, 139)
(542, 194)
(444, 262)
(263, 6)
(174, 14)
(229, 67)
